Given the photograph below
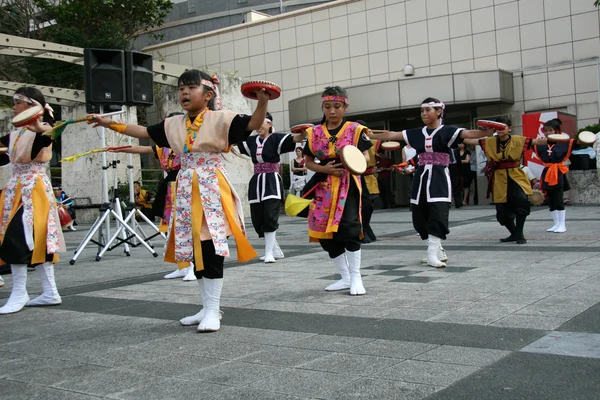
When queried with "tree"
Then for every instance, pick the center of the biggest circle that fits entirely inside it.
(597, 3)
(109, 24)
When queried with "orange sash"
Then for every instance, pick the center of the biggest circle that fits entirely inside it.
(551, 177)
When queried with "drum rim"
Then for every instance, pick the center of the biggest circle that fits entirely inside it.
(587, 133)
(299, 126)
(559, 137)
(491, 123)
(357, 151)
(273, 89)
(35, 111)
(396, 145)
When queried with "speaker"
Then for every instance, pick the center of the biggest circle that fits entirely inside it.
(104, 76)
(140, 79)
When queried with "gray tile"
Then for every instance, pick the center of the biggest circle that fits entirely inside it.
(111, 382)
(384, 267)
(302, 383)
(415, 279)
(575, 344)
(13, 390)
(261, 336)
(249, 394)
(350, 364)
(397, 273)
(284, 356)
(173, 365)
(375, 389)
(463, 355)
(233, 373)
(172, 389)
(392, 348)
(52, 372)
(531, 321)
(329, 342)
(428, 373)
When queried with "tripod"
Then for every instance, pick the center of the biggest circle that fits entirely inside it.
(107, 210)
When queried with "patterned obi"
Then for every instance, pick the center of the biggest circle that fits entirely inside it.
(434, 158)
(32, 168)
(266, 167)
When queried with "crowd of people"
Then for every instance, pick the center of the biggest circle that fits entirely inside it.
(200, 209)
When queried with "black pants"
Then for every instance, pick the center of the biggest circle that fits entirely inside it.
(213, 264)
(367, 210)
(348, 235)
(265, 216)
(455, 181)
(517, 203)
(430, 218)
(555, 199)
(385, 191)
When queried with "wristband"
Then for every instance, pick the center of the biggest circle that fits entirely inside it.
(118, 127)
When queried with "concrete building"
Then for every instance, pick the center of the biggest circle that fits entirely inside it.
(483, 58)
(191, 17)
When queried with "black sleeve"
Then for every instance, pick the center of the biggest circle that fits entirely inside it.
(39, 143)
(306, 151)
(5, 140)
(364, 143)
(288, 143)
(242, 148)
(158, 134)
(238, 131)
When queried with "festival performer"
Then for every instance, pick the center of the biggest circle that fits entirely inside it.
(299, 171)
(431, 190)
(207, 209)
(554, 176)
(334, 216)
(370, 191)
(30, 231)
(162, 205)
(265, 190)
(507, 182)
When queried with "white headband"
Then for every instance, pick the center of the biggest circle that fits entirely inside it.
(29, 100)
(433, 105)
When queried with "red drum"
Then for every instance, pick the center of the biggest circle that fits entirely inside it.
(249, 89)
(301, 128)
(390, 146)
(64, 216)
(28, 116)
(484, 123)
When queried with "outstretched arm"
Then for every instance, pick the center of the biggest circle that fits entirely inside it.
(260, 113)
(388, 135)
(134, 150)
(132, 130)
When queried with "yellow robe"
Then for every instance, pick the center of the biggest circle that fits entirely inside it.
(371, 179)
(512, 153)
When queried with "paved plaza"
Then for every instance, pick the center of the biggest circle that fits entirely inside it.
(503, 321)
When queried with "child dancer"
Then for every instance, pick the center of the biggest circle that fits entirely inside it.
(162, 205)
(554, 176)
(508, 183)
(207, 209)
(265, 190)
(334, 215)
(30, 231)
(431, 189)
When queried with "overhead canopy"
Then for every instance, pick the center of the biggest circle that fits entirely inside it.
(482, 87)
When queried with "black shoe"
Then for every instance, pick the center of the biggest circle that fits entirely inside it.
(521, 241)
(365, 240)
(511, 238)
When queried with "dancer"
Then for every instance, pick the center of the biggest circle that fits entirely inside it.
(431, 190)
(30, 231)
(334, 215)
(265, 190)
(299, 170)
(465, 171)
(207, 209)
(554, 176)
(162, 204)
(507, 182)
(370, 191)
(66, 203)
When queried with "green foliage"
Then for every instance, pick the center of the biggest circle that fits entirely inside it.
(591, 128)
(150, 177)
(597, 3)
(108, 24)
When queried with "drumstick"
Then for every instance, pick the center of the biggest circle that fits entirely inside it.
(379, 130)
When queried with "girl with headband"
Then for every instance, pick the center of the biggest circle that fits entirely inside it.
(206, 209)
(162, 205)
(30, 231)
(507, 182)
(554, 176)
(265, 190)
(334, 216)
(431, 192)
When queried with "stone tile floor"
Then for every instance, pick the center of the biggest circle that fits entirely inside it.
(503, 321)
